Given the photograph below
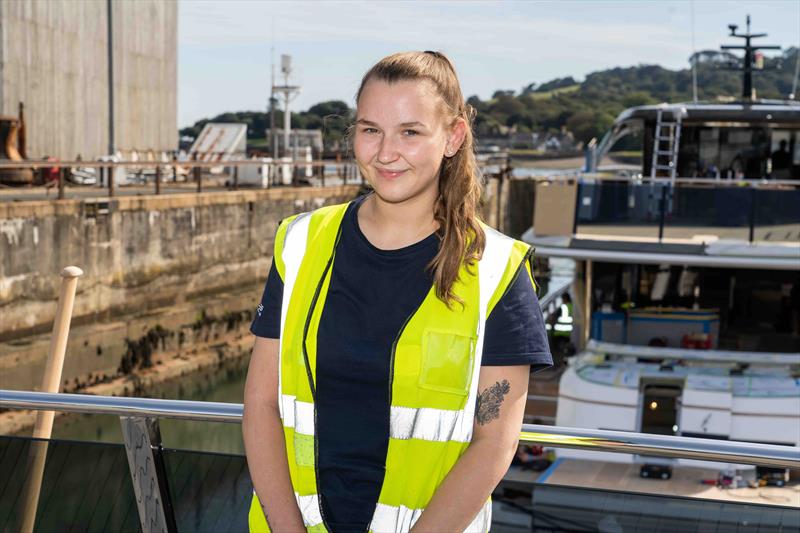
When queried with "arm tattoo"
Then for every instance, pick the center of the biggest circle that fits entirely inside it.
(487, 405)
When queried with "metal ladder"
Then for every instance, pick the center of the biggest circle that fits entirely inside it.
(665, 158)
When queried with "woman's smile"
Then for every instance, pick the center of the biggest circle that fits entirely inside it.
(390, 174)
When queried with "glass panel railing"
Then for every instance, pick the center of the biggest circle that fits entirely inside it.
(209, 491)
(618, 209)
(562, 508)
(695, 211)
(85, 487)
(777, 216)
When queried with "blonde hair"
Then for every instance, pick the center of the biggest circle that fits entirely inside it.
(460, 186)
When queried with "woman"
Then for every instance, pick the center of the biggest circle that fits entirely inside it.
(396, 333)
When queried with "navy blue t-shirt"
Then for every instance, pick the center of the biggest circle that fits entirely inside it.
(371, 294)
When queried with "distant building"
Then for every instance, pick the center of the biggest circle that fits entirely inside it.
(713, 57)
(220, 141)
(298, 139)
(525, 140)
(55, 61)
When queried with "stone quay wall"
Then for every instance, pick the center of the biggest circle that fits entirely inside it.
(139, 253)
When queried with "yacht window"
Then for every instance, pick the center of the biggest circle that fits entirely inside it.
(785, 154)
(739, 153)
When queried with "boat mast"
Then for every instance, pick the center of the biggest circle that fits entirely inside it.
(749, 56)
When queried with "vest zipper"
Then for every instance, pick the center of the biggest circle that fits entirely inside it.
(310, 376)
(391, 382)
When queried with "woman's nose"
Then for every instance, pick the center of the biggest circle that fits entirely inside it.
(387, 152)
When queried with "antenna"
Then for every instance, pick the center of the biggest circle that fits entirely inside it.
(793, 95)
(751, 61)
(694, 58)
(272, 136)
(289, 92)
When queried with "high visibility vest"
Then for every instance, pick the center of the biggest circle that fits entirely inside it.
(435, 364)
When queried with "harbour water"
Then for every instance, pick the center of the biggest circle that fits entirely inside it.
(219, 384)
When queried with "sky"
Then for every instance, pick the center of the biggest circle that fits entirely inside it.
(224, 46)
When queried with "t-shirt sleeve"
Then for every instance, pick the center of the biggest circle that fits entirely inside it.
(267, 322)
(515, 333)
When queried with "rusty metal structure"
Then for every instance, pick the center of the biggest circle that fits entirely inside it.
(12, 141)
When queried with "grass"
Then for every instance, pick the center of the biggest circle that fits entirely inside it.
(561, 90)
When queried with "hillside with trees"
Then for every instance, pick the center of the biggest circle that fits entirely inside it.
(584, 108)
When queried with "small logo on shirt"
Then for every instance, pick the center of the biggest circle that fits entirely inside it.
(259, 309)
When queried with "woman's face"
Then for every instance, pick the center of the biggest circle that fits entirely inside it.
(400, 139)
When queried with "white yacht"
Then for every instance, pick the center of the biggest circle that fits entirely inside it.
(687, 274)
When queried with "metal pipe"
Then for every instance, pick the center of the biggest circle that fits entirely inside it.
(663, 445)
(562, 437)
(112, 147)
(610, 256)
(719, 356)
(587, 309)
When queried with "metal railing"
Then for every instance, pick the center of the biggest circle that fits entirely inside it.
(198, 174)
(551, 302)
(563, 437)
(747, 210)
(139, 419)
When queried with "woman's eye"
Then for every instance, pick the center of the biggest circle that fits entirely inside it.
(410, 133)
(369, 130)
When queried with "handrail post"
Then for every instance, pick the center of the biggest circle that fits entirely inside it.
(236, 177)
(578, 186)
(158, 179)
(197, 175)
(752, 233)
(112, 170)
(61, 178)
(662, 211)
(148, 473)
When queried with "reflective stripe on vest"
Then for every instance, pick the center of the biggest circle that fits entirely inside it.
(389, 519)
(435, 369)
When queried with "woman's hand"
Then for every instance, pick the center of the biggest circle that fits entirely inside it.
(264, 441)
(502, 394)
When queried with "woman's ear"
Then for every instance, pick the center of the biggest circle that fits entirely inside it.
(455, 137)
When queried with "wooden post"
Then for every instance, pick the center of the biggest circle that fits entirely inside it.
(50, 383)
(158, 179)
(111, 173)
(236, 178)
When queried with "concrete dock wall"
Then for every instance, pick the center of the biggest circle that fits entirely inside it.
(139, 253)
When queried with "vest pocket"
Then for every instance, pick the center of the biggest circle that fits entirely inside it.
(447, 360)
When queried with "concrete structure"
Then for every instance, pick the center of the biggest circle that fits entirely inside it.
(153, 265)
(171, 268)
(54, 59)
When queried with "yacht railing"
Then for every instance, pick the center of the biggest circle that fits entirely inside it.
(550, 302)
(661, 209)
(717, 356)
(139, 419)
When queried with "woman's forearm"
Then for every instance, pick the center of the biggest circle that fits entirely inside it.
(269, 470)
(466, 488)
(499, 408)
